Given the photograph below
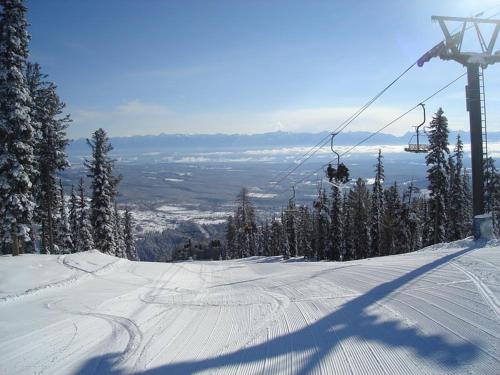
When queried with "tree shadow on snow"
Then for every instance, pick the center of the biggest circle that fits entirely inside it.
(351, 320)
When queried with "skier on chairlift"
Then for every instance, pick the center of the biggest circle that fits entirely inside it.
(330, 172)
(342, 173)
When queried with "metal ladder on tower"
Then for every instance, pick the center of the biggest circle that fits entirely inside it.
(487, 176)
(483, 113)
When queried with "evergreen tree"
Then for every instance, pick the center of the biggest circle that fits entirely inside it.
(285, 244)
(336, 225)
(118, 233)
(348, 245)
(468, 193)
(63, 240)
(128, 225)
(358, 203)
(276, 237)
(437, 175)
(377, 207)
(50, 156)
(290, 225)
(305, 231)
(85, 239)
(413, 221)
(427, 236)
(266, 238)
(100, 169)
(457, 211)
(492, 192)
(320, 226)
(244, 221)
(231, 245)
(390, 243)
(259, 240)
(74, 219)
(17, 170)
(403, 232)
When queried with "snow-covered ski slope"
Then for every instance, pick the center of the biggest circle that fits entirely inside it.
(435, 311)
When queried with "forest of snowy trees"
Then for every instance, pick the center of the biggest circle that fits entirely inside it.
(35, 215)
(361, 222)
(38, 216)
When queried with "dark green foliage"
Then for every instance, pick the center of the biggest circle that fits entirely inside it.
(17, 166)
(103, 186)
(438, 175)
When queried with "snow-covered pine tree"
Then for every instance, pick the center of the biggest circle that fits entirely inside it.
(492, 192)
(63, 239)
(244, 220)
(118, 233)
(74, 224)
(348, 246)
(276, 238)
(458, 220)
(413, 221)
(17, 170)
(103, 185)
(285, 243)
(266, 239)
(427, 223)
(336, 225)
(128, 224)
(231, 244)
(259, 240)
(391, 222)
(377, 207)
(320, 226)
(358, 202)
(305, 230)
(50, 156)
(438, 174)
(85, 239)
(468, 193)
(290, 224)
(403, 233)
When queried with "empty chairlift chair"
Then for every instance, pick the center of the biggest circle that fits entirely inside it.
(418, 147)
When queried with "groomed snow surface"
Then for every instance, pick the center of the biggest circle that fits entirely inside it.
(435, 311)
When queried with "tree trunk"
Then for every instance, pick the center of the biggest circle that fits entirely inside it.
(15, 242)
(50, 227)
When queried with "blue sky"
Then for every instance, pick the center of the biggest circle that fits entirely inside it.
(160, 66)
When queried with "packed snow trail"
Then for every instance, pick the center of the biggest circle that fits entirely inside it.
(435, 311)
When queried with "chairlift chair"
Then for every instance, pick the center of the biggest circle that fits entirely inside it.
(418, 147)
(339, 173)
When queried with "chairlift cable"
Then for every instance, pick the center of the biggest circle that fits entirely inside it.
(313, 150)
(382, 128)
(343, 125)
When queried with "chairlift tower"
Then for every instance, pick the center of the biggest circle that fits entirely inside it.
(475, 61)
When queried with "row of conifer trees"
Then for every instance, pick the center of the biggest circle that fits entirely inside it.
(360, 222)
(34, 215)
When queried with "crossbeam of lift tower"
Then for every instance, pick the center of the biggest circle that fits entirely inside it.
(452, 48)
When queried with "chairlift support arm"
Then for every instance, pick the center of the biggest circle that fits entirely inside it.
(335, 152)
(419, 126)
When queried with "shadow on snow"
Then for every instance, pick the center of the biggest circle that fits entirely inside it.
(320, 338)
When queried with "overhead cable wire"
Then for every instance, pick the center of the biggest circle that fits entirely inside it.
(382, 128)
(314, 149)
(343, 125)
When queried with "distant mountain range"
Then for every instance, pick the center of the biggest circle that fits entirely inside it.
(226, 142)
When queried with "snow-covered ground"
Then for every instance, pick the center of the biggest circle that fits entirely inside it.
(436, 311)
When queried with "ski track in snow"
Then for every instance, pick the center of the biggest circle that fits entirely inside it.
(260, 316)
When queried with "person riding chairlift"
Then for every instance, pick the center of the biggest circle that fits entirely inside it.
(341, 174)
